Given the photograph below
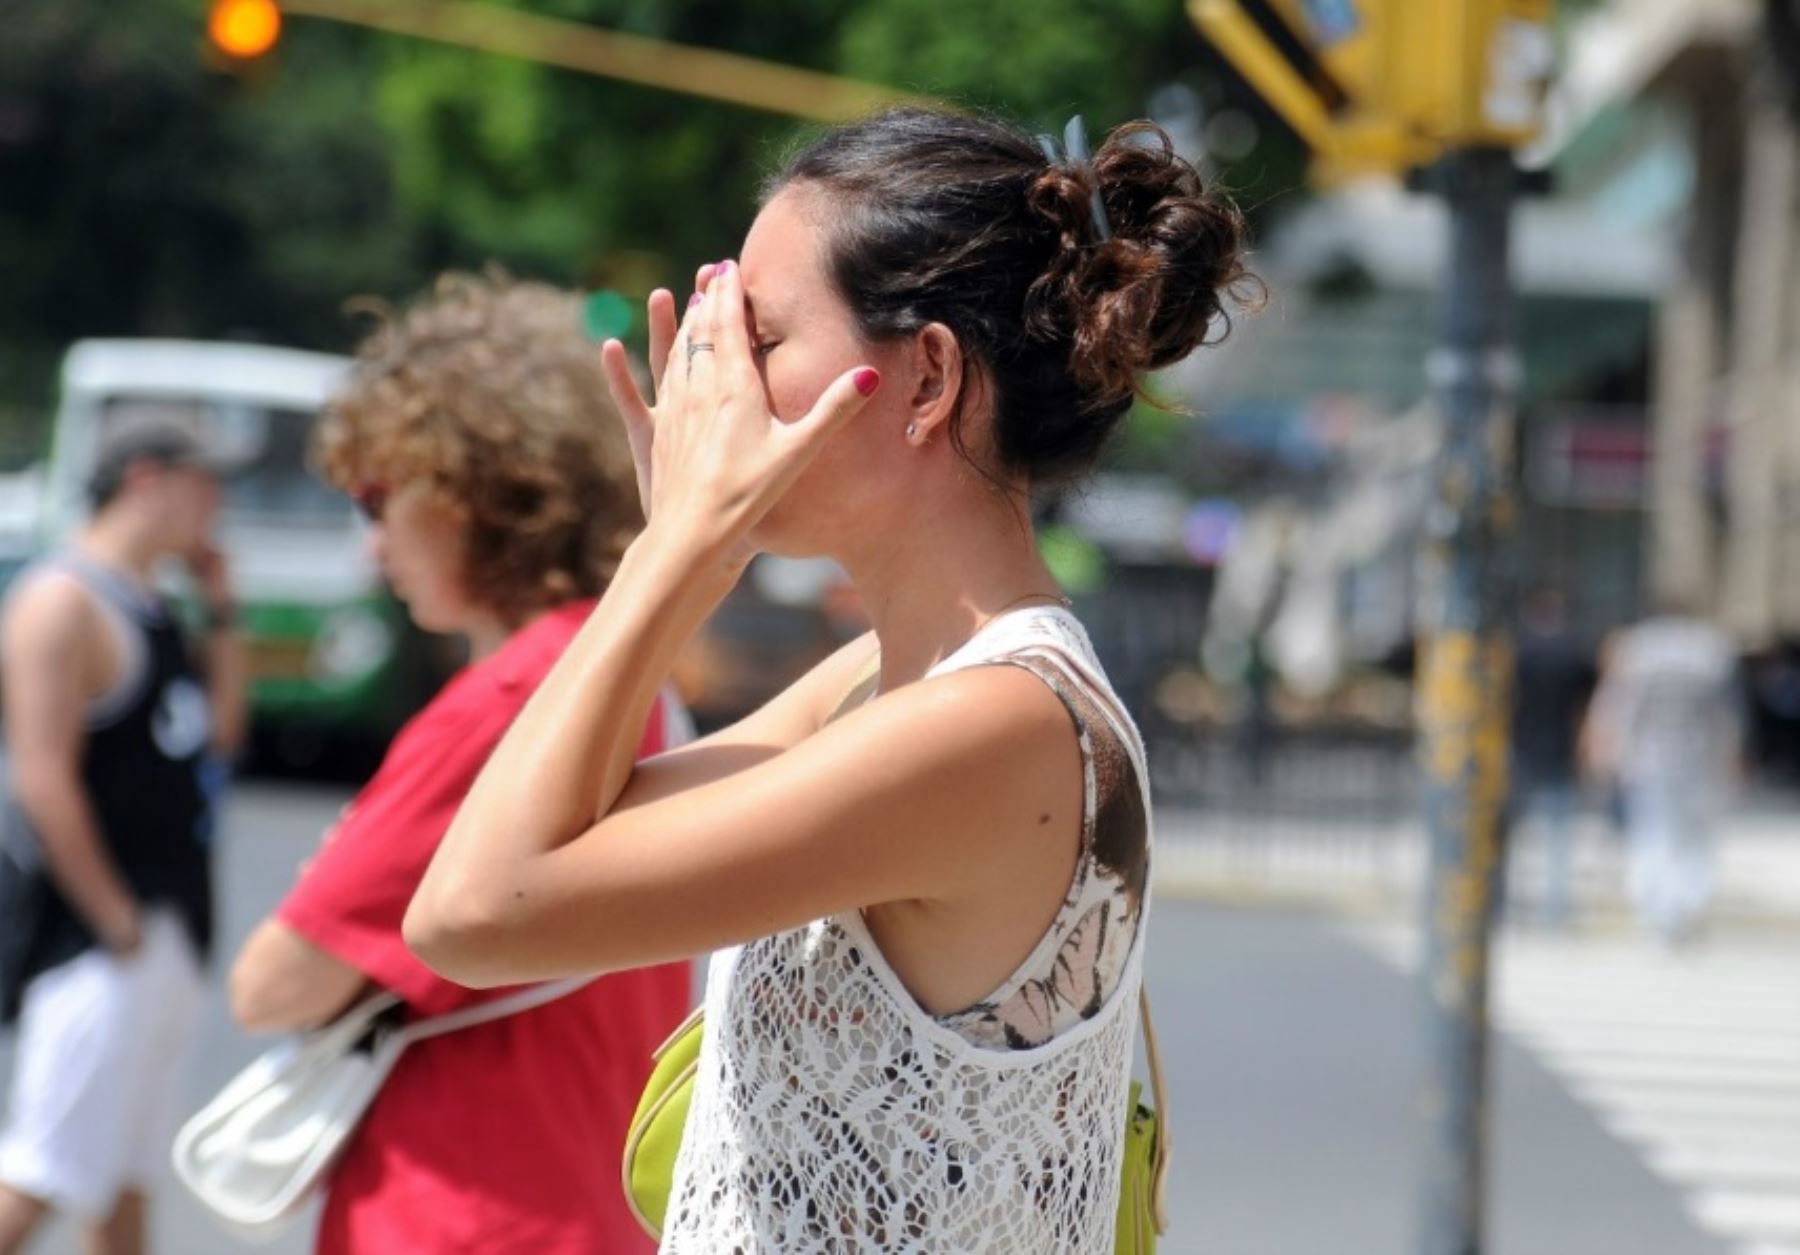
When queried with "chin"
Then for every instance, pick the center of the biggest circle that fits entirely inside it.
(420, 613)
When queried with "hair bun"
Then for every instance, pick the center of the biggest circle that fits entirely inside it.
(1151, 294)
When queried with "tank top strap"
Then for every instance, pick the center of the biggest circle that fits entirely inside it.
(1086, 954)
(114, 590)
(135, 619)
(1052, 635)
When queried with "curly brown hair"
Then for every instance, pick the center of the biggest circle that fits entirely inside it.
(961, 220)
(488, 388)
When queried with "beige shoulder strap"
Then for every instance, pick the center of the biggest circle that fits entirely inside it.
(1159, 1166)
(868, 676)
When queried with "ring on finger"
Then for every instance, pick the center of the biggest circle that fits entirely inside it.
(698, 346)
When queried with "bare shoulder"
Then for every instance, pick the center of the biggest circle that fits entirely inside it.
(49, 614)
(995, 716)
(974, 766)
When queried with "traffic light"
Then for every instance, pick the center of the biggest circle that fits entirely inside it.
(243, 30)
(1463, 73)
(1390, 84)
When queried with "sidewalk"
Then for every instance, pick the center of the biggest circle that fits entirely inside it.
(1379, 866)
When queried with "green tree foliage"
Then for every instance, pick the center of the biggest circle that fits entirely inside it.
(145, 191)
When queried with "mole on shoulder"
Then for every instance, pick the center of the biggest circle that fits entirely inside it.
(1044, 818)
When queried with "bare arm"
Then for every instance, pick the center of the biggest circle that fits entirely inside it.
(51, 642)
(227, 678)
(282, 983)
(786, 720)
(932, 793)
(227, 661)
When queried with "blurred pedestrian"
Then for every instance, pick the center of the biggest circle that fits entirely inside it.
(1667, 725)
(1554, 683)
(920, 1031)
(497, 482)
(115, 733)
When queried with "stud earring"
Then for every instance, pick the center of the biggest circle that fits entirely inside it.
(912, 431)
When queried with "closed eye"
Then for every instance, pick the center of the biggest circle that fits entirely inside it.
(766, 347)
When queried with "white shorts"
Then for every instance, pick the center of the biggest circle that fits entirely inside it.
(97, 1078)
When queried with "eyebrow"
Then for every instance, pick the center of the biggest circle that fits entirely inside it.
(770, 310)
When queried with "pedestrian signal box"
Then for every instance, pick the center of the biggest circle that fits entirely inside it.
(1391, 84)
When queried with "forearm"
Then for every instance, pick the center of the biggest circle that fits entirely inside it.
(75, 856)
(228, 680)
(282, 983)
(566, 759)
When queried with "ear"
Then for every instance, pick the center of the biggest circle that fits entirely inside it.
(940, 375)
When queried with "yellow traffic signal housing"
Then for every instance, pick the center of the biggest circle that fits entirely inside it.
(1462, 72)
(1390, 84)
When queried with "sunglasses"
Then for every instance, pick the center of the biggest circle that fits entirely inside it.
(372, 501)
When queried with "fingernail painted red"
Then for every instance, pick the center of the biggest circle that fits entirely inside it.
(693, 300)
(725, 267)
(867, 380)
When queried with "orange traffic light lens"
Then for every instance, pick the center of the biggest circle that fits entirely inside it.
(244, 28)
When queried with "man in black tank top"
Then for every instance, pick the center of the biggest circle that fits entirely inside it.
(114, 740)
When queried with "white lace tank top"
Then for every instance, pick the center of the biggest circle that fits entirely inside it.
(832, 1114)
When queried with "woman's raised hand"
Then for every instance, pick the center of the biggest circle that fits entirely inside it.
(712, 460)
(640, 425)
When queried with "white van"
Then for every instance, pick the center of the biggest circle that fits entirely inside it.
(325, 639)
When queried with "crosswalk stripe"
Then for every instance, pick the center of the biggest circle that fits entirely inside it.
(1702, 1105)
(1666, 1131)
(1748, 1215)
(1772, 1079)
(1693, 1059)
(1696, 1042)
(1743, 1168)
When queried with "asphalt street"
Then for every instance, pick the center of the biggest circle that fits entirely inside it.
(1291, 1044)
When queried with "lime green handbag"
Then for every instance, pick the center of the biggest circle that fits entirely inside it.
(654, 1139)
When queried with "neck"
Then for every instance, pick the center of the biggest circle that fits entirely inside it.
(486, 633)
(929, 593)
(114, 540)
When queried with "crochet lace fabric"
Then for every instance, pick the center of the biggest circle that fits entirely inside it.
(832, 1114)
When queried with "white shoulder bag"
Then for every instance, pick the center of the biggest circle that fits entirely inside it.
(257, 1153)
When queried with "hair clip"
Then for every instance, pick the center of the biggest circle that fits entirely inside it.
(1075, 152)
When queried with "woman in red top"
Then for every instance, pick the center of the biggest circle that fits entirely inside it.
(499, 488)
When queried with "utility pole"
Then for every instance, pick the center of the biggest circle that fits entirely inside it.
(1465, 689)
(1452, 87)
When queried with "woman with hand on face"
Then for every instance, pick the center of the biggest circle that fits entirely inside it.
(929, 908)
(497, 482)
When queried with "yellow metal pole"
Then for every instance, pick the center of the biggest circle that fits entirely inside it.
(704, 72)
(1233, 32)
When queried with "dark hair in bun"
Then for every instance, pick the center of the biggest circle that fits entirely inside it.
(960, 220)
